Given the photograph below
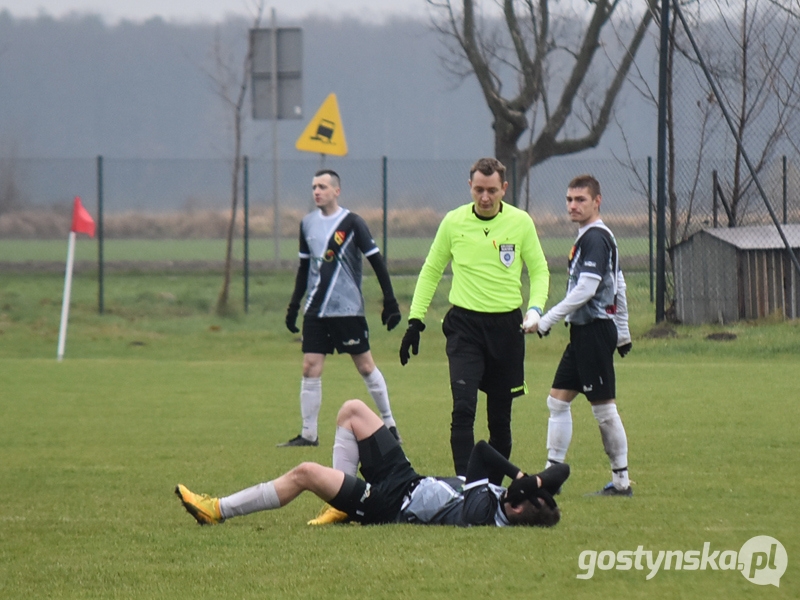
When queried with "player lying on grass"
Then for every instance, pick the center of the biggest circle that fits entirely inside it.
(391, 490)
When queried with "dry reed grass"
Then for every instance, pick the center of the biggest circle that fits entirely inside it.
(213, 224)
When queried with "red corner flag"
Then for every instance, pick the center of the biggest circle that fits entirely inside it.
(82, 221)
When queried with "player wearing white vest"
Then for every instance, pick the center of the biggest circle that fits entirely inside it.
(486, 242)
(596, 309)
(332, 241)
(391, 491)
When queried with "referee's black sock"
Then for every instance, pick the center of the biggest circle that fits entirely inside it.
(461, 443)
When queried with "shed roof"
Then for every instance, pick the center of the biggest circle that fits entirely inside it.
(760, 237)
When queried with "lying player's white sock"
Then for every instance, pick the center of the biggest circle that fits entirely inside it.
(310, 403)
(376, 385)
(259, 497)
(345, 451)
(559, 430)
(615, 441)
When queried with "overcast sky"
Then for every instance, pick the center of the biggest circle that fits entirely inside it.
(215, 10)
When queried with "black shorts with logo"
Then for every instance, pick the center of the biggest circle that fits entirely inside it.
(587, 365)
(388, 477)
(346, 335)
(486, 346)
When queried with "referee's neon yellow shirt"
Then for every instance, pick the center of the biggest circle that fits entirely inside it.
(486, 257)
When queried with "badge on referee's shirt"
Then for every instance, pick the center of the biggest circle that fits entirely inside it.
(507, 254)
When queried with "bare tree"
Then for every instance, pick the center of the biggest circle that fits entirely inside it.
(550, 66)
(757, 66)
(231, 86)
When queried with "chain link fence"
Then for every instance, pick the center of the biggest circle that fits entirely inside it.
(733, 172)
(173, 215)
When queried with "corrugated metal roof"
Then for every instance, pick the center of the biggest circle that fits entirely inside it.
(762, 237)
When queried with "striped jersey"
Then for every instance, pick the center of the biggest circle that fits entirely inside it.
(595, 255)
(436, 501)
(334, 245)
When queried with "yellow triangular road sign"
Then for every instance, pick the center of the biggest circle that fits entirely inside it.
(325, 133)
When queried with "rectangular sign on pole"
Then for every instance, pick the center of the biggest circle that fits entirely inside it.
(290, 72)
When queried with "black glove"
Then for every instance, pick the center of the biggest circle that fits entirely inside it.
(291, 318)
(624, 349)
(527, 488)
(391, 313)
(542, 334)
(411, 340)
(521, 489)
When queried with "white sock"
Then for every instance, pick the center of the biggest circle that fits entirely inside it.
(345, 451)
(253, 499)
(559, 430)
(376, 385)
(310, 403)
(615, 441)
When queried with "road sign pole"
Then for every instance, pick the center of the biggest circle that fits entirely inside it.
(276, 218)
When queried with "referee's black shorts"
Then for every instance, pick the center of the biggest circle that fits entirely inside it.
(489, 347)
(587, 365)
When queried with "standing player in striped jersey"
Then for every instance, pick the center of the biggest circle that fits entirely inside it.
(332, 240)
(596, 309)
(486, 241)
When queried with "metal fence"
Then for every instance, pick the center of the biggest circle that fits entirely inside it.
(173, 214)
(733, 91)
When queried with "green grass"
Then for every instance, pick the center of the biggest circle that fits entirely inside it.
(159, 390)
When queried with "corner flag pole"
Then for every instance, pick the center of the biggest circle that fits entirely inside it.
(82, 222)
(62, 330)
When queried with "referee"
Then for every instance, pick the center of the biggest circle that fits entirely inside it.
(486, 241)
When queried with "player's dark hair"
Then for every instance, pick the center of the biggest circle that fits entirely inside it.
(487, 166)
(337, 181)
(536, 514)
(586, 181)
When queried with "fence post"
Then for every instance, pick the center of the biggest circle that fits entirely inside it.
(246, 207)
(661, 176)
(785, 199)
(100, 294)
(384, 176)
(715, 196)
(514, 181)
(650, 219)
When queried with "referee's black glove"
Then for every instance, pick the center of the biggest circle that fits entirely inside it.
(624, 349)
(411, 340)
(391, 313)
(291, 318)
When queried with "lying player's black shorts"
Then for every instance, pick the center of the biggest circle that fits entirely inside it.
(587, 365)
(347, 335)
(389, 476)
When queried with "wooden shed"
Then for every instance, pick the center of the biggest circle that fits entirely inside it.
(728, 274)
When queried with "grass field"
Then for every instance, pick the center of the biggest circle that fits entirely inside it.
(158, 391)
(214, 249)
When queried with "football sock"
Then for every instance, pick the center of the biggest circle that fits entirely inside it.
(253, 499)
(619, 477)
(310, 403)
(462, 437)
(615, 441)
(376, 385)
(345, 451)
(559, 430)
